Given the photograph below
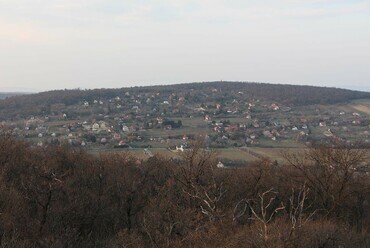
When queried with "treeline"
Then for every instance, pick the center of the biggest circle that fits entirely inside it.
(286, 94)
(4, 95)
(35, 104)
(63, 197)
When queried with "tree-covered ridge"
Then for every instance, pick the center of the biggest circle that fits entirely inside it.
(195, 92)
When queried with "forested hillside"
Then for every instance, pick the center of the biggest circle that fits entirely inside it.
(285, 94)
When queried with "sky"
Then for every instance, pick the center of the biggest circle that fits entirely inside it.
(57, 44)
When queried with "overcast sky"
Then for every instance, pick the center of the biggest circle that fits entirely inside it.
(55, 44)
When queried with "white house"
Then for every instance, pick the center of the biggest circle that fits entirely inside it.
(220, 165)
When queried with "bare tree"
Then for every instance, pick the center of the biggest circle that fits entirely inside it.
(209, 197)
(199, 180)
(299, 212)
(263, 210)
(329, 172)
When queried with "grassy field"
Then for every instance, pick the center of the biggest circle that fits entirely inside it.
(362, 108)
(247, 155)
(239, 154)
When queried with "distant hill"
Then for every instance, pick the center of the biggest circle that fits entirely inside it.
(284, 94)
(4, 95)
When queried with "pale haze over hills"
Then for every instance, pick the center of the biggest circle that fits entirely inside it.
(111, 44)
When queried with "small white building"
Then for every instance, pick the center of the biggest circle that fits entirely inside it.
(220, 165)
(95, 126)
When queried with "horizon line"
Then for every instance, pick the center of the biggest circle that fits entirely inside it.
(35, 91)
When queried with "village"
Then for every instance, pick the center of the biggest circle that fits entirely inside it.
(172, 119)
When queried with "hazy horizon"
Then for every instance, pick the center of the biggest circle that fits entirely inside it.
(30, 90)
(59, 44)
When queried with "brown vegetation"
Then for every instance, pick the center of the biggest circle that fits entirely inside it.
(63, 197)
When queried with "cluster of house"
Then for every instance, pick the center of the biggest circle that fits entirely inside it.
(123, 120)
(299, 129)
